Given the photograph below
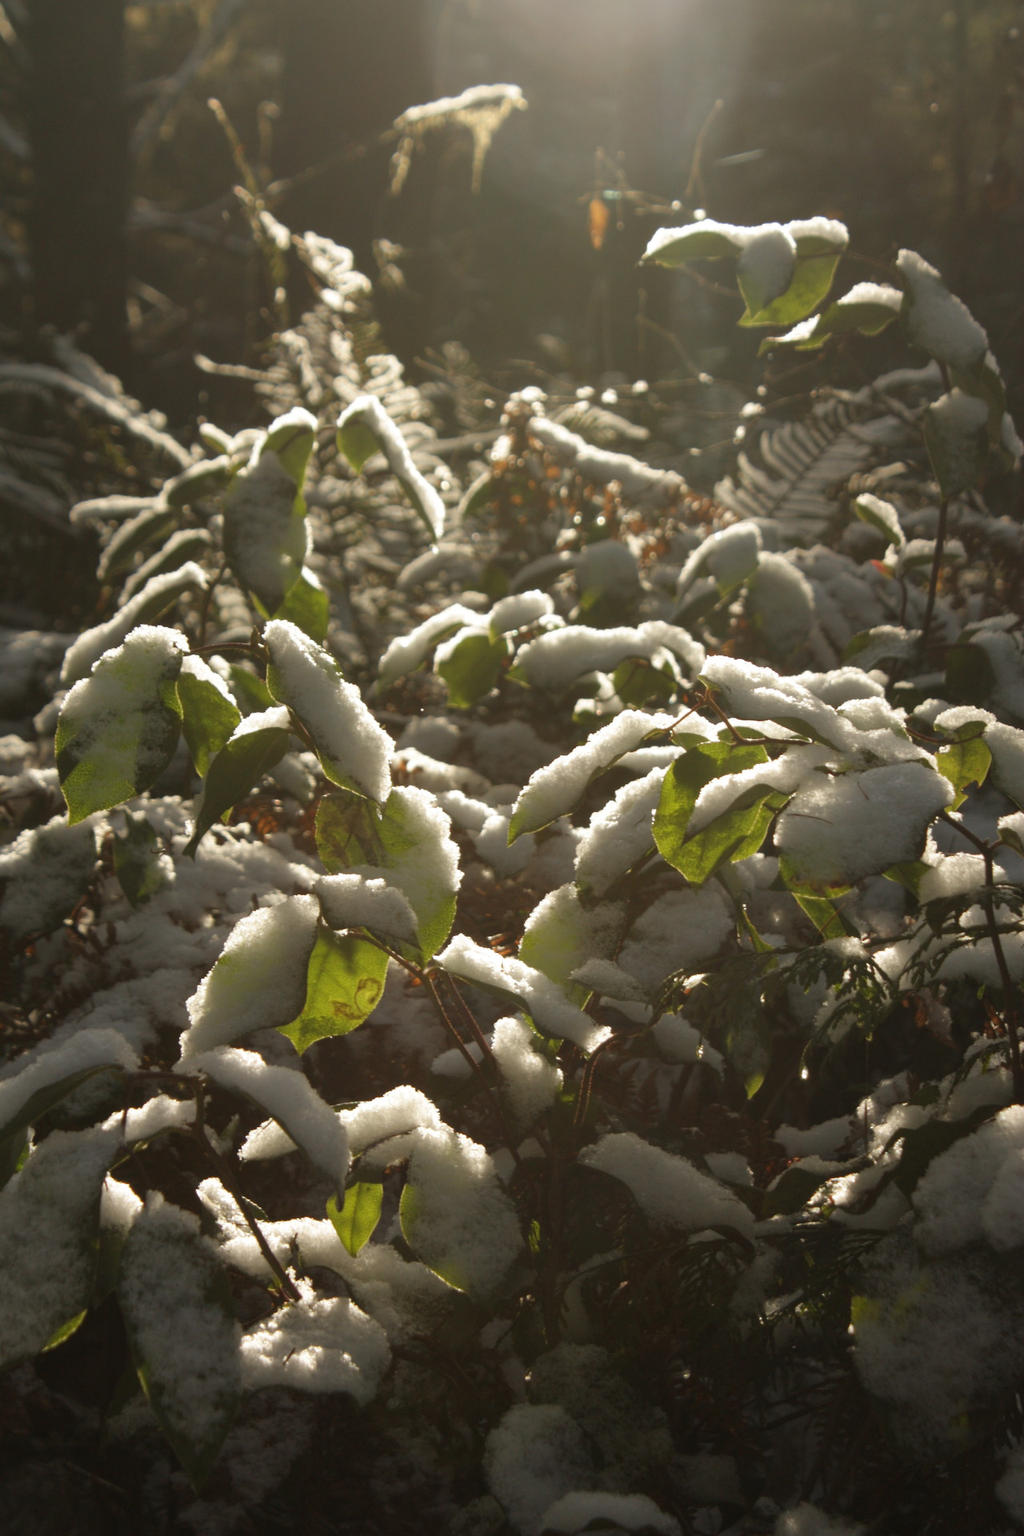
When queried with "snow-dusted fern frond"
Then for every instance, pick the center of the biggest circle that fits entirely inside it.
(802, 468)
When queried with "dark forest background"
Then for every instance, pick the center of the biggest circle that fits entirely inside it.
(119, 223)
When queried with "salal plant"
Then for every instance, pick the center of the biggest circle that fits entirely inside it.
(586, 1030)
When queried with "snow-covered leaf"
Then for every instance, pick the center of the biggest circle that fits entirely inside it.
(118, 727)
(265, 534)
(354, 751)
(259, 979)
(365, 427)
(44, 873)
(176, 1304)
(956, 436)
(49, 1218)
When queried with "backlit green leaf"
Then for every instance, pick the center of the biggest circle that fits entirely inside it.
(237, 767)
(357, 1218)
(471, 667)
(208, 718)
(344, 984)
(683, 783)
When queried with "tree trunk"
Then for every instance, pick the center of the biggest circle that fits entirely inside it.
(78, 130)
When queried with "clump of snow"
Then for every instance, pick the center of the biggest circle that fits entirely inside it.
(259, 979)
(836, 830)
(562, 933)
(619, 833)
(730, 555)
(534, 1457)
(352, 746)
(575, 1512)
(318, 1344)
(355, 901)
(952, 1196)
(545, 1002)
(667, 1188)
(937, 320)
(530, 1079)
(290, 1098)
(520, 609)
(455, 1214)
(554, 789)
(781, 602)
(681, 931)
(392, 1114)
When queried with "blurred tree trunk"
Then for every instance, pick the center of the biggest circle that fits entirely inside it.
(350, 68)
(78, 131)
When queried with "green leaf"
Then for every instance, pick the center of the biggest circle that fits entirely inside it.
(881, 515)
(922, 1144)
(823, 913)
(208, 719)
(812, 279)
(908, 874)
(357, 1219)
(251, 691)
(471, 667)
(118, 728)
(868, 316)
(736, 834)
(175, 1300)
(137, 860)
(345, 981)
(695, 243)
(356, 440)
(307, 605)
(236, 768)
(684, 782)
(965, 761)
(640, 685)
(348, 832)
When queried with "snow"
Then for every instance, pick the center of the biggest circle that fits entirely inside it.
(519, 610)
(619, 833)
(534, 1457)
(290, 1098)
(556, 659)
(395, 1113)
(48, 1215)
(730, 555)
(624, 1511)
(318, 1344)
(546, 1003)
(554, 789)
(835, 831)
(959, 413)
(872, 293)
(952, 1198)
(668, 1189)
(785, 774)
(680, 931)
(352, 746)
(455, 1215)
(1010, 1487)
(356, 901)
(677, 1040)
(259, 980)
(562, 933)
(530, 1079)
(937, 320)
(368, 412)
(83, 654)
(781, 603)
(54, 1063)
(158, 1114)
